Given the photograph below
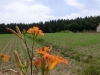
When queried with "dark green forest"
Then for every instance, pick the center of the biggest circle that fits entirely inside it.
(75, 25)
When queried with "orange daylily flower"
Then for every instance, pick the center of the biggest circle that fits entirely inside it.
(35, 31)
(43, 50)
(40, 63)
(4, 57)
(50, 61)
(37, 62)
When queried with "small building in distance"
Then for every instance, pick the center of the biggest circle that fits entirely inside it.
(98, 28)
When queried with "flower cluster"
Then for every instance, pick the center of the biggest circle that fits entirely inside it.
(45, 62)
(35, 31)
(48, 61)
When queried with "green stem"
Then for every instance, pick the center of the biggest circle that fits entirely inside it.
(28, 54)
(32, 55)
(31, 67)
(46, 72)
(42, 72)
(29, 57)
(24, 73)
(27, 49)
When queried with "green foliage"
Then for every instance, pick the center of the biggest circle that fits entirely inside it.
(40, 40)
(92, 69)
(60, 25)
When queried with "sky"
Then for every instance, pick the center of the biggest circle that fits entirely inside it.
(29, 11)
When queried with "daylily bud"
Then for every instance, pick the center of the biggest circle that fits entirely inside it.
(18, 30)
(9, 29)
(17, 59)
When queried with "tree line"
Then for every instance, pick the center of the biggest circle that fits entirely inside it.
(75, 25)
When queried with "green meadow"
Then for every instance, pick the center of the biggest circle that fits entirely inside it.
(82, 50)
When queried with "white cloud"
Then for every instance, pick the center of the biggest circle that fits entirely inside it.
(71, 16)
(98, 0)
(74, 3)
(82, 14)
(21, 12)
(49, 17)
(29, 11)
(90, 12)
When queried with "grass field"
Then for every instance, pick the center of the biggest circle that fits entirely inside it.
(80, 49)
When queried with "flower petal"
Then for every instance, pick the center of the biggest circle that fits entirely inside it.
(4, 57)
